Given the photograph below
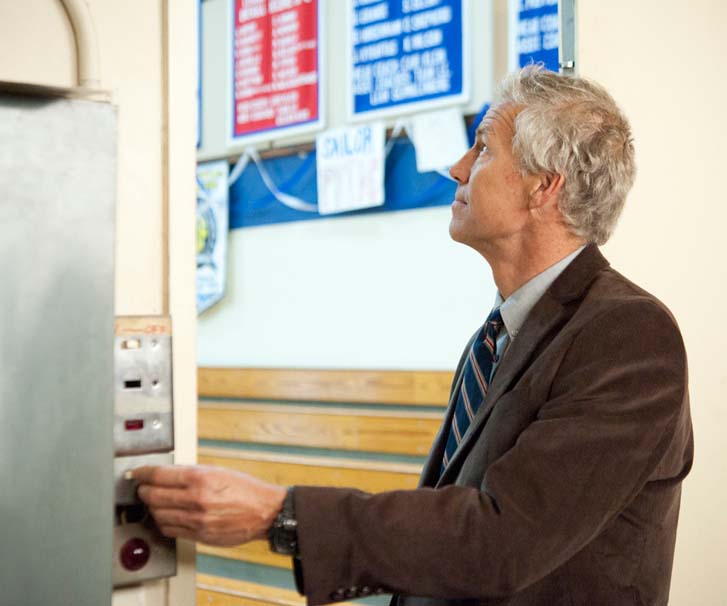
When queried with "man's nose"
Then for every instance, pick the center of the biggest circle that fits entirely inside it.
(460, 170)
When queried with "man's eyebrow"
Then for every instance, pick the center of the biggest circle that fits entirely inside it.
(483, 130)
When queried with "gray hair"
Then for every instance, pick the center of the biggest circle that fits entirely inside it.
(573, 127)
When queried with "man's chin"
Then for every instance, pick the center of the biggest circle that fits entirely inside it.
(456, 232)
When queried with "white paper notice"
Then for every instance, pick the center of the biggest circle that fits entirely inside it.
(439, 137)
(350, 168)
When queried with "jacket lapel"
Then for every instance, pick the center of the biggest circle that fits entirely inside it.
(547, 315)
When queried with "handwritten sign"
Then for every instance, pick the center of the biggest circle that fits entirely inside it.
(350, 168)
(276, 68)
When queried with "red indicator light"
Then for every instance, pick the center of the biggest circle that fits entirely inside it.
(134, 424)
(135, 554)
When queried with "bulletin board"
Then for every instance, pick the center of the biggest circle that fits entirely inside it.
(254, 100)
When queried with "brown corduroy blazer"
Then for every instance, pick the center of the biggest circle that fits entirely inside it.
(565, 490)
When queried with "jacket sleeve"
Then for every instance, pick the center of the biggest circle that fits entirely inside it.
(617, 406)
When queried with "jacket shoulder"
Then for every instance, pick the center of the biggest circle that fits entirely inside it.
(611, 292)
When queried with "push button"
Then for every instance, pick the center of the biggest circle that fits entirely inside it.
(135, 554)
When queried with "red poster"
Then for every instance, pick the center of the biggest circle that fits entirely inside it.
(276, 65)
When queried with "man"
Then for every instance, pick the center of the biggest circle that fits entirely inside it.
(555, 479)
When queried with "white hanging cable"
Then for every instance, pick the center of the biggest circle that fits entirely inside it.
(287, 200)
(240, 166)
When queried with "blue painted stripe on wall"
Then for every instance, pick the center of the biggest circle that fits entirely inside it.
(245, 571)
(351, 405)
(357, 455)
(264, 575)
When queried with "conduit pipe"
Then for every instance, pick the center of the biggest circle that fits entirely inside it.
(79, 14)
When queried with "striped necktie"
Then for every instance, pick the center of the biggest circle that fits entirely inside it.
(477, 374)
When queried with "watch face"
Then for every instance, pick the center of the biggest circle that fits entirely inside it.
(283, 535)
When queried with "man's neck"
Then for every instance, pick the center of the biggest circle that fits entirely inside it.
(514, 266)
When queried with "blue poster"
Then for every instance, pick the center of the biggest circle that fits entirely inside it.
(536, 33)
(406, 53)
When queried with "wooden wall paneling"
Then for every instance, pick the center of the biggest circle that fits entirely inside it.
(396, 432)
(422, 388)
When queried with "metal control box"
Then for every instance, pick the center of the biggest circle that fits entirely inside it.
(143, 435)
(143, 420)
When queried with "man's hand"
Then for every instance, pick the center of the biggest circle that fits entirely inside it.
(209, 504)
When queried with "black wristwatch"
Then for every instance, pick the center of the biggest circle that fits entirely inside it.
(283, 534)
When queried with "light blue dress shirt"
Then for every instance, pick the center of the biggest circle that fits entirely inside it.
(517, 306)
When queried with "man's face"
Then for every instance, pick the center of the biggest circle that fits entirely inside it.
(491, 202)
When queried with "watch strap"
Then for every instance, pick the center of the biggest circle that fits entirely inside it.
(283, 534)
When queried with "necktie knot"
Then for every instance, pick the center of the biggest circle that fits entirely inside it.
(494, 319)
(492, 327)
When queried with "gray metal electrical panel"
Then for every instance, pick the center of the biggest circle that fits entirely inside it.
(143, 435)
(57, 210)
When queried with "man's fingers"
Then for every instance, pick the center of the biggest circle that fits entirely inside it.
(163, 475)
(173, 498)
(181, 518)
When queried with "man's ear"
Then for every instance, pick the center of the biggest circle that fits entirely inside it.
(545, 189)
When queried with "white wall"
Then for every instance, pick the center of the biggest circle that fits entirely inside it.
(155, 96)
(663, 61)
(381, 291)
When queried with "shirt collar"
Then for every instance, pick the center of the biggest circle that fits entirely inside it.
(517, 306)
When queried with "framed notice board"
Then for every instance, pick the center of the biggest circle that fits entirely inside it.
(405, 56)
(275, 49)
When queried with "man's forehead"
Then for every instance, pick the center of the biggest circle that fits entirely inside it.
(499, 119)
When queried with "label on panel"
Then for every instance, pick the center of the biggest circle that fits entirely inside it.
(406, 55)
(534, 33)
(276, 68)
